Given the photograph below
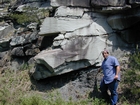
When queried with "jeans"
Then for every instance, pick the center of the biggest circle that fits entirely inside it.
(112, 87)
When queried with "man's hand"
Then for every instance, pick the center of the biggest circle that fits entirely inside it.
(117, 72)
(116, 77)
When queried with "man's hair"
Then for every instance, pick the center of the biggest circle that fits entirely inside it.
(105, 50)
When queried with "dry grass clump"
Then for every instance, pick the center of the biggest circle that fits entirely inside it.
(13, 86)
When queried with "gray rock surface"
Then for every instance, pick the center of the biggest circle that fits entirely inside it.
(102, 3)
(57, 25)
(75, 3)
(125, 20)
(73, 35)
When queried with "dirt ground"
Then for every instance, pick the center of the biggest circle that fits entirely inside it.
(75, 85)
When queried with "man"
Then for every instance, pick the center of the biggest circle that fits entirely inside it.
(111, 71)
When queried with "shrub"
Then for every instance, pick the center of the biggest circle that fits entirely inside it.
(132, 78)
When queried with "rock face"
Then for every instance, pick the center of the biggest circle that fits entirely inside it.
(83, 34)
(75, 3)
(57, 27)
(102, 3)
(73, 35)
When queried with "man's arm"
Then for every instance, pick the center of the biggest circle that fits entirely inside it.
(117, 72)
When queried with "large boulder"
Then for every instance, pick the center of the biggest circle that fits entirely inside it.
(18, 51)
(134, 2)
(24, 38)
(57, 25)
(76, 53)
(70, 12)
(102, 3)
(6, 30)
(4, 44)
(81, 3)
(81, 35)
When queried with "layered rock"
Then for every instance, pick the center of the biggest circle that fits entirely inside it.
(74, 35)
(82, 35)
(57, 27)
(74, 3)
(102, 3)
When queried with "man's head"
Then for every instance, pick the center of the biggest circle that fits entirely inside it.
(105, 53)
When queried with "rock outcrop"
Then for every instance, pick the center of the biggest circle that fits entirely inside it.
(73, 35)
(82, 35)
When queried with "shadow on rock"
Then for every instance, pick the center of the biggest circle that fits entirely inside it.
(73, 85)
(96, 92)
(54, 82)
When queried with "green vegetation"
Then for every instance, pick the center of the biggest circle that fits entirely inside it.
(132, 78)
(30, 14)
(16, 88)
(13, 86)
(22, 18)
(5, 1)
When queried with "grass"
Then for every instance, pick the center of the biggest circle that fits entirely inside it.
(15, 89)
(14, 84)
